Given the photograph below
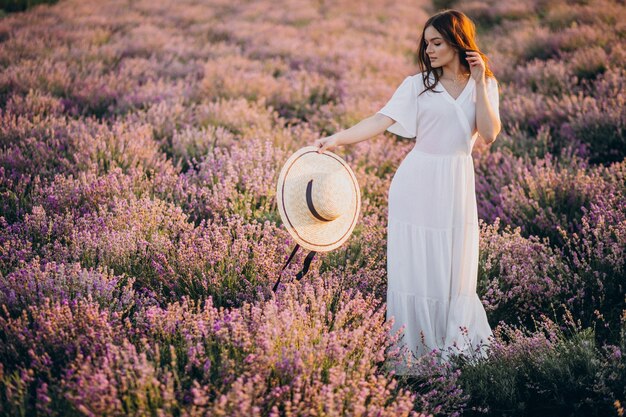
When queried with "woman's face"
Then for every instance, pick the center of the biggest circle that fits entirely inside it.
(438, 50)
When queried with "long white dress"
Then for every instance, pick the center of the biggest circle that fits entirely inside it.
(432, 231)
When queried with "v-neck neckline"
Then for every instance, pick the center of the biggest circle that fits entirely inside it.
(461, 94)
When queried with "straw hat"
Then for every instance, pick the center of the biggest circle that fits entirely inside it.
(318, 199)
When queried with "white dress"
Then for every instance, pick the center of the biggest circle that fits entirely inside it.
(432, 230)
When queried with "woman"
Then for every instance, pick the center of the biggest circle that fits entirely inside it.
(432, 231)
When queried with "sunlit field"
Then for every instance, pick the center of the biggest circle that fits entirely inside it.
(140, 147)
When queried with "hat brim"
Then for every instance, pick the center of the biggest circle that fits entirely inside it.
(310, 233)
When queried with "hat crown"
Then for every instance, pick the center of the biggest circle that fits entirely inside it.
(318, 199)
(328, 196)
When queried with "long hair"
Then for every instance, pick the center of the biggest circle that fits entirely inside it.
(459, 32)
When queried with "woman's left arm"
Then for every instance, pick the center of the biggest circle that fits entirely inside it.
(487, 121)
(487, 118)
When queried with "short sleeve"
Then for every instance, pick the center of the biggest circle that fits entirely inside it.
(402, 108)
(493, 95)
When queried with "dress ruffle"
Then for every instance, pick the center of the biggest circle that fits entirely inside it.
(432, 290)
(457, 325)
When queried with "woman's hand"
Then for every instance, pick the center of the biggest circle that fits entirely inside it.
(328, 143)
(477, 65)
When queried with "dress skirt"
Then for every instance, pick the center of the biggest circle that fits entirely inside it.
(432, 255)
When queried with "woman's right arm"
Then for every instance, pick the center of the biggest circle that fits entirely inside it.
(361, 131)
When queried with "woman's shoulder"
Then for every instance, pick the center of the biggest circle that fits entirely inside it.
(418, 80)
(491, 79)
(492, 82)
(419, 76)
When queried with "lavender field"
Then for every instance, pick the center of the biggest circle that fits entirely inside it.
(140, 146)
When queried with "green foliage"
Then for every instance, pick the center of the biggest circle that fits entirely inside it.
(558, 381)
(21, 5)
(523, 144)
(443, 4)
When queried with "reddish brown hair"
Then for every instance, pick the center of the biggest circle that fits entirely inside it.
(459, 32)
